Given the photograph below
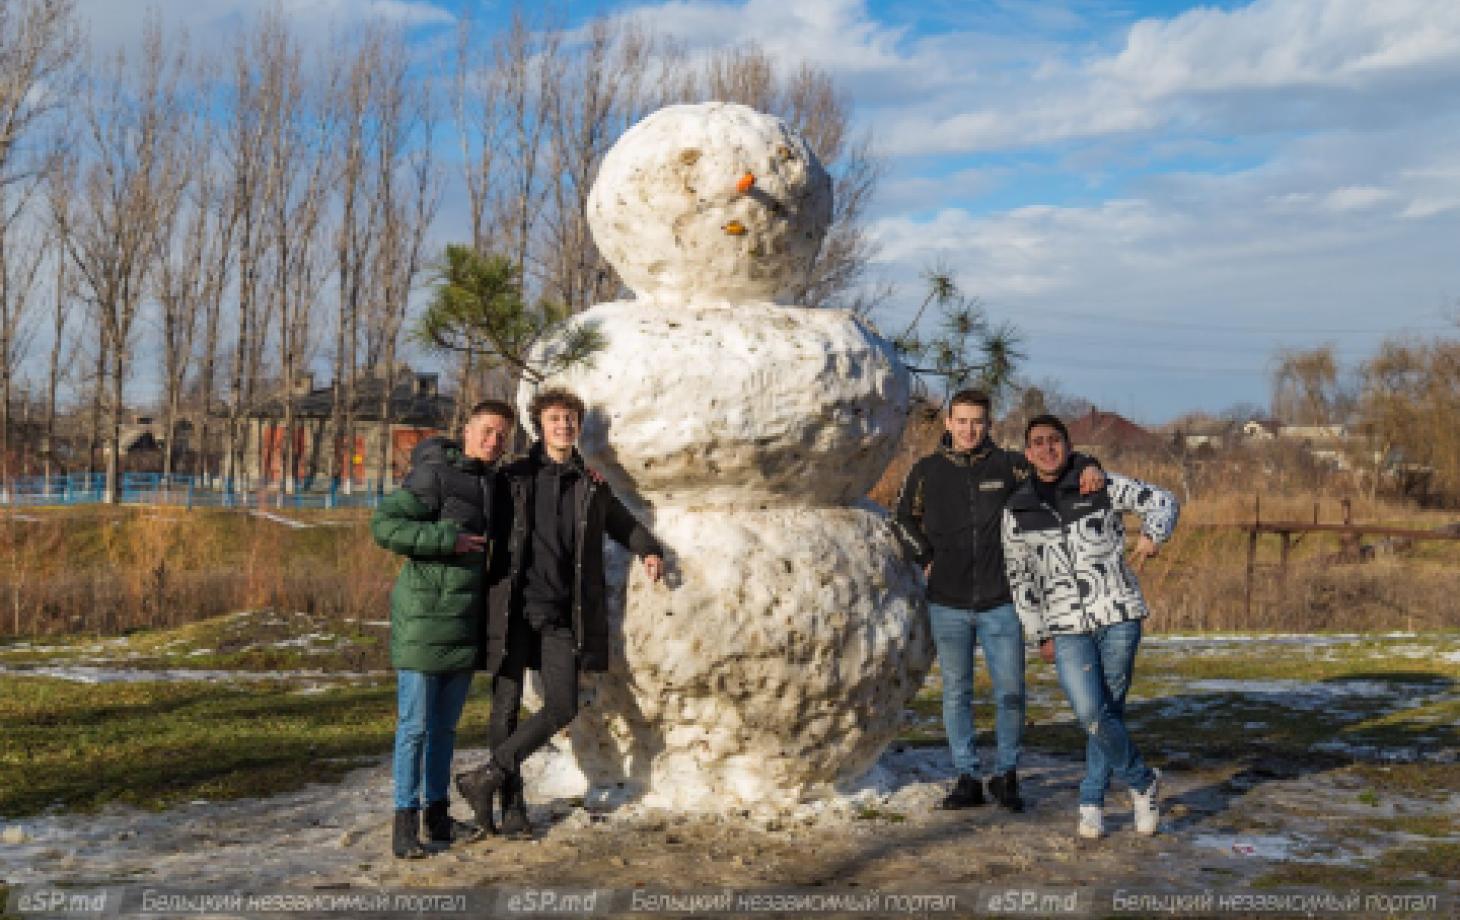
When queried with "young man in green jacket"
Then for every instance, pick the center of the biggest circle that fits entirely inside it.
(438, 519)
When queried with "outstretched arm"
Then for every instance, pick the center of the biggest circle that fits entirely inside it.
(1158, 510)
(628, 532)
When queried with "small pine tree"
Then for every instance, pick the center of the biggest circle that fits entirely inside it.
(477, 307)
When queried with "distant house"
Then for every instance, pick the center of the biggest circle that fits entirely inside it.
(1107, 432)
(1313, 433)
(1325, 443)
(1261, 429)
(416, 410)
(1204, 434)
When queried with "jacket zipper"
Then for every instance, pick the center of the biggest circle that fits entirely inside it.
(973, 528)
(582, 527)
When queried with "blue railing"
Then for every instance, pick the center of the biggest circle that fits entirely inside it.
(186, 491)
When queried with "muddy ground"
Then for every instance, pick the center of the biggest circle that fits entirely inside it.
(1288, 763)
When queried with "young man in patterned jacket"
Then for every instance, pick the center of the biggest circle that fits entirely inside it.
(1077, 598)
(948, 516)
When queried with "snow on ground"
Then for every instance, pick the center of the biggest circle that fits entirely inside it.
(327, 832)
(337, 834)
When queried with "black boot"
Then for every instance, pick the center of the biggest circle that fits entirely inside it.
(405, 840)
(967, 793)
(514, 809)
(1004, 788)
(478, 787)
(438, 822)
(442, 828)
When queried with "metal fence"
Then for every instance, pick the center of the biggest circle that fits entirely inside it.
(186, 491)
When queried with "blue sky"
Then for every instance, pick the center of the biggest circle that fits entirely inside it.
(1158, 194)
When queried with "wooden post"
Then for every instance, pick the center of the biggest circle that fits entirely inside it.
(1252, 553)
(1350, 545)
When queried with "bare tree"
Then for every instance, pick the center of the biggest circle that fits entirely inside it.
(132, 117)
(61, 187)
(407, 186)
(1304, 386)
(261, 66)
(296, 183)
(183, 259)
(529, 67)
(38, 44)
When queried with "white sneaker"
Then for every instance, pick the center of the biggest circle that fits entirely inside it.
(1146, 806)
(1092, 822)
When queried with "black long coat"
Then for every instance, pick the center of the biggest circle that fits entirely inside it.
(598, 513)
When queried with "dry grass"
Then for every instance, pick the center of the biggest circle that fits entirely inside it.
(105, 571)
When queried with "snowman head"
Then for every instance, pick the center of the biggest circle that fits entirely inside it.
(710, 204)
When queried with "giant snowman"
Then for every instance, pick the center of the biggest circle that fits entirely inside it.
(777, 657)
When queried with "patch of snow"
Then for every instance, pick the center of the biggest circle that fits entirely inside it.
(1287, 686)
(1271, 847)
(279, 519)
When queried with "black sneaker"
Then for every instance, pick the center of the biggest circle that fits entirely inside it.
(514, 809)
(478, 787)
(967, 793)
(1004, 789)
(405, 839)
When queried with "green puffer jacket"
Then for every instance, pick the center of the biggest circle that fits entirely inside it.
(436, 607)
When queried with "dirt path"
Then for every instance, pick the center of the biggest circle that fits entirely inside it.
(1219, 829)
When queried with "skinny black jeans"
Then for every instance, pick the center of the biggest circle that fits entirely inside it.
(512, 743)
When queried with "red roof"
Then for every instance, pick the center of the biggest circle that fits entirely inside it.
(1109, 430)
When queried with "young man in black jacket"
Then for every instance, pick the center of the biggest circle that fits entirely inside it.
(545, 605)
(949, 514)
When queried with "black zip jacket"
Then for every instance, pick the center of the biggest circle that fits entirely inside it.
(950, 512)
(596, 513)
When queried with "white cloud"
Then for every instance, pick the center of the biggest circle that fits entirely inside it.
(1265, 65)
(1284, 43)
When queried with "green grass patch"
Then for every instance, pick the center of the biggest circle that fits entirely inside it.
(1415, 780)
(153, 745)
(1398, 867)
(256, 640)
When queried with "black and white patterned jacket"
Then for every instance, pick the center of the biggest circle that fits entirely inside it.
(1066, 564)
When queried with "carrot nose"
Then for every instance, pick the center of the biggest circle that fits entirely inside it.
(745, 182)
(734, 228)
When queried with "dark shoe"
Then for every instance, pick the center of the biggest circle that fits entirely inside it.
(442, 828)
(405, 840)
(514, 809)
(478, 787)
(1004, 789)
(967, 793)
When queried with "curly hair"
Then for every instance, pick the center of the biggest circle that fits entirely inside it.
(546, 399)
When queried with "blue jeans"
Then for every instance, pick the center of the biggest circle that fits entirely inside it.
(428, 706)
(1095, 670)
(955, 633)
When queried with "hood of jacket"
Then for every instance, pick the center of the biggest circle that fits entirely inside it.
(443, 450)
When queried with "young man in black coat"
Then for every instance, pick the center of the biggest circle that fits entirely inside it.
(546, 598)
